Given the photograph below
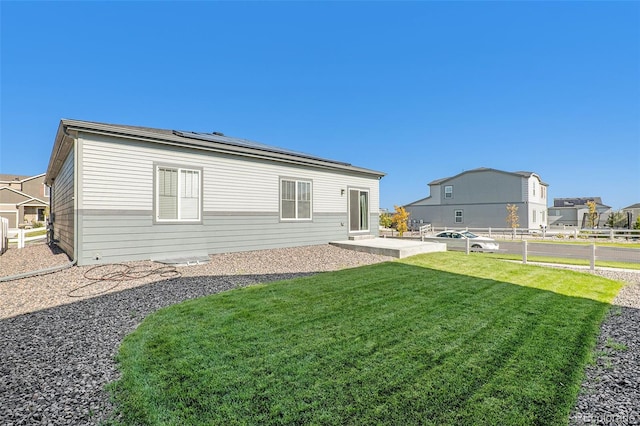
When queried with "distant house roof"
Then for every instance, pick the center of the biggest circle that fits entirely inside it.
(4, 178)
(486, 169)
(632, 206)
(215, 142)
(27, 197)
(572, 202)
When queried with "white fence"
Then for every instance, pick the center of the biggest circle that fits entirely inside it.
(553, 233)
(4, 234)
(19, 236)
(526, 233)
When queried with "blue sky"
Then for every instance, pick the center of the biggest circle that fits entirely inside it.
(419, 90)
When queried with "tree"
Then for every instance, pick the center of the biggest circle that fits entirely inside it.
(592, 215)
(637, 224)
(513, 220)
(385, 220)
(617, 220)
(400, 219)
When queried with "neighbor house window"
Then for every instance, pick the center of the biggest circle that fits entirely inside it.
(448, 191)
(458, 216)
(358, 210)
(47, 190)
(295, 199)
(178, 194)
(543, 215)
(533, 216)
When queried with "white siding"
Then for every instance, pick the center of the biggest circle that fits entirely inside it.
(118, 174)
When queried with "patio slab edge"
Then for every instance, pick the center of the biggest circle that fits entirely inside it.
(391, 247)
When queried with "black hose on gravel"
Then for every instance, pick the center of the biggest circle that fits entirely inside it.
(118, 272)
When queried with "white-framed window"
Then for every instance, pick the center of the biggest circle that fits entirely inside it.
(178, 195)
(543, 192)
(534, 189)
(47, 190)
(296, 199)
(448, 191)
(458, 216)
(358, 210)
(543, 214)
(533, 216)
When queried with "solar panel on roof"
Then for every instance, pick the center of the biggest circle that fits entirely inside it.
(211, 137)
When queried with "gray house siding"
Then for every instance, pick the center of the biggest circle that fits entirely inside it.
(62, 203)
(240, 201)
(121, 236)
(478, 216)
(481, 197)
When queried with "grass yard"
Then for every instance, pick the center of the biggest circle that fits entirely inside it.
(443, 338)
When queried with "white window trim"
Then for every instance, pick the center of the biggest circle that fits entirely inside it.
(455, 216)
(295, 219)
(47, 190)
(368, 209)
(448, 195)
(156, 202)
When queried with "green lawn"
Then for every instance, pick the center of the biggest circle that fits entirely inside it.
(443, 338)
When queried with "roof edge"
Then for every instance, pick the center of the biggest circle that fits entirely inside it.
(170, 137)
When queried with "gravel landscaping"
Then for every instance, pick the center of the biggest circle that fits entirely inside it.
(60, 331)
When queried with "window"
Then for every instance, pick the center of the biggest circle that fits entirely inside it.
(533, 216)
(47, 190)
(543, 215)
(534, 190)
(178, 194)
(358, 210)
(448, 191)
(295, 199)
(458, 216)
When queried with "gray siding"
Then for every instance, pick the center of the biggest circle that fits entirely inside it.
(62, 206)
(240, 199)
(474, 215)
(483, 187)
(118, 174)
(115, 236)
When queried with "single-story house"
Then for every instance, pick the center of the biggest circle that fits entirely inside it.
(121, 193)
(23, 199)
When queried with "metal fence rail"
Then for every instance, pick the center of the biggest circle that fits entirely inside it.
(589, 252)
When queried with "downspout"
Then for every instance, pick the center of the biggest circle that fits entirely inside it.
(38, 272)
(76, 171)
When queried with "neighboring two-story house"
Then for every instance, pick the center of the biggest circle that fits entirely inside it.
(574, 212)
(478, 198)
(23, 199)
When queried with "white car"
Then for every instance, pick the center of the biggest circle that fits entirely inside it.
(458, 240)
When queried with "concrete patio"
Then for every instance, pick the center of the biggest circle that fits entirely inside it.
(393, 247)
